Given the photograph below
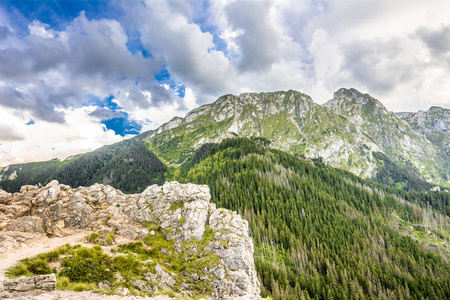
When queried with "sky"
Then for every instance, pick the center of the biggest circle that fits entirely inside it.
(77, 75)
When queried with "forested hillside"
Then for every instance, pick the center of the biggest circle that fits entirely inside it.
(323, 233)
(319, 232)
(128, 166)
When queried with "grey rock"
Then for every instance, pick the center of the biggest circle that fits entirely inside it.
(181, 211)
(142, 286)
(27, 224)
(122, 291)
(164, 278)
(27, 188)
(104, 285)
(24, 284)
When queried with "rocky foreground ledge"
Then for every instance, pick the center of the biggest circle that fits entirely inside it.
(182, 212)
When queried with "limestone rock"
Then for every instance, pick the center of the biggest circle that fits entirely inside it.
(24, 284)
(181, 211)
(27, 224)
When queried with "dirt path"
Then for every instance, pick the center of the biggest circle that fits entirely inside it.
(40, 244)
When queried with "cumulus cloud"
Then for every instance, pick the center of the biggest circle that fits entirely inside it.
(103, 113)
(57, 69)
(188, 52)
(46, 140)
(158, 59)
(258, 41)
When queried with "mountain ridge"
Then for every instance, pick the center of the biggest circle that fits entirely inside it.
(346, 131)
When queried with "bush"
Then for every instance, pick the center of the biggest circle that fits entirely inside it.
(39, 267)
(87, 265)
(109, 239)
(129, 266)
(62, 283)
(17, 271)
(92, 238)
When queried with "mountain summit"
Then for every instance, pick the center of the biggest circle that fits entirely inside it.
(345, 131)
(353, 131)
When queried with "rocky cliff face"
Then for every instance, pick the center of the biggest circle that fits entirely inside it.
(435, 125)
(180, 212)
(394, 137)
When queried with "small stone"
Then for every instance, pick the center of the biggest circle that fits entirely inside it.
(123, 291)
(104, 285)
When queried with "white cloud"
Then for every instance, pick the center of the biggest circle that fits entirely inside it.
(42, 30)
(397, 51)
(81, 133)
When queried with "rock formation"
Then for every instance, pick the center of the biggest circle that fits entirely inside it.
(181, 211)
(25, 284)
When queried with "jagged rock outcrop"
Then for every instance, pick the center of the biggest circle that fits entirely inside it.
(181, 211)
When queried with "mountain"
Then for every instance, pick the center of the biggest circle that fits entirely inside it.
(346, 132)
(352, 131)
(290, 120)
(395, 137)
(435, 125)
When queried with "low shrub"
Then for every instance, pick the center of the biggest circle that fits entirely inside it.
(87, 265)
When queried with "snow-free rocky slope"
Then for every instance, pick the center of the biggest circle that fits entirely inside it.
(345, 131)
(435, 125)
(211, 244)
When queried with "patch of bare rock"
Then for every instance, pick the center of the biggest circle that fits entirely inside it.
(35, 217)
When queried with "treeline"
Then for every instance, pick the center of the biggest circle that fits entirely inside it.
(128, 166)
(318, 233)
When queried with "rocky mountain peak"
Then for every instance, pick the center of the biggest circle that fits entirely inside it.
(352, 99)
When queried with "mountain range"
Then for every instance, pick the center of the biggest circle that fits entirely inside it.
(352, 131)
(344, 200)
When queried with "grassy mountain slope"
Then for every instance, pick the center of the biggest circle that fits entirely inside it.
(347, 132)
(290, 119)
(324, 233)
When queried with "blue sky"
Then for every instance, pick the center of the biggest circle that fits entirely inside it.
(75, 75)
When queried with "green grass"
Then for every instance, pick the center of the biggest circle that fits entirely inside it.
(82, 268)
(176, 205)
